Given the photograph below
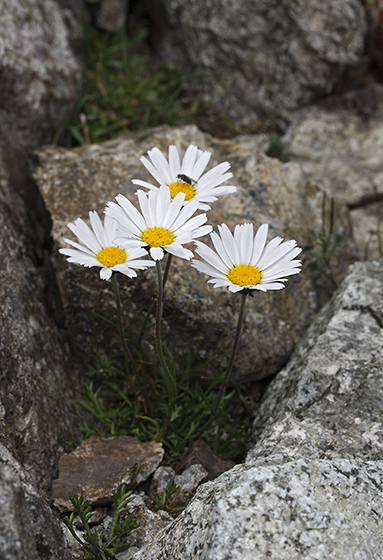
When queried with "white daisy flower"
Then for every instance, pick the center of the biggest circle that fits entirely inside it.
(163, 223)
(188, 176)
(99, 248)
(244, 261)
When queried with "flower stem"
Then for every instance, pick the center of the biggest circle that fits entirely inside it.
(167, 268)
(232, 358)
(150, 310)
(170, 377)
(116, 292)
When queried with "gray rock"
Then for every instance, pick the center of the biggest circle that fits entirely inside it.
(191, 478)
(328, 400)
(312, 485)
(73, 182)
(40, 75)
(262, 58)
(160, 479)
(150, 523)
(339, 145)
(111, 15)
(39, 373)
(28, 528)
(300, 509)
(39, 376)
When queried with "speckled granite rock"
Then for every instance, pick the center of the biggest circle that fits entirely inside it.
(339, 145)
(39, 375)
(328, 401)
(312, 485)
(75, 181)
(28, 528)
(40, 74)
(262, 58)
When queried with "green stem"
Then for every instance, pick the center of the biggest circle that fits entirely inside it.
(161, 357)
(151, 308)
(116, 292)
(167, 268)
(233, 354)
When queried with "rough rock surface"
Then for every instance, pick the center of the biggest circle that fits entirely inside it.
(312, 485)
(339, 145)
(111, 15)
(39, 73)
(73, 182)
(98, 466)
(263, 58)
(28, 527)
(39, 377)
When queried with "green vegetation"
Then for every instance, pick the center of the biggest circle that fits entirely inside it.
(96, 544)
(163, 499)
(328, 245)
(123, 90)
(135, 403)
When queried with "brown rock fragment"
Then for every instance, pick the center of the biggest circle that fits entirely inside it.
(98, 466)
(199, 453)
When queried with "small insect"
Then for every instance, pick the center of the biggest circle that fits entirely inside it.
(186, 179)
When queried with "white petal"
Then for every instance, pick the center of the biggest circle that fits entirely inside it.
(147, 209)
(200, 165)
(174, 162)
(98, 229)
(235, 288)
(172, 209)
(125, 269)
(180, 251)
(211, 258)
(81, 248)
(245, 245)
(105, 273)
(202, 231)
(132, 215)
(263, 287)
(220, 248)
(161, 164)
(259, 243)
(80, 257)
(85, 235)
(219, 283)
(143, 184)
(159, 177)
(229, 243)
(189, 160)
(209, 269)
(276, 254)
(156, 253)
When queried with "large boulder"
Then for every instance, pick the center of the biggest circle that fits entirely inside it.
(39, 370)
(339, 145)
(73, 182)
(262, 58)
(40, 76)
(312, 484)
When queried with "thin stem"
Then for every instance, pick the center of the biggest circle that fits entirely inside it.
(233, 354)
(167, 268)
(167, 372)
(151, 308)
(116, 292)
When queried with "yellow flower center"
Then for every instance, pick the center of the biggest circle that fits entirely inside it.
(157, 236)
(110, 256)
(245, 275)
(182, 186)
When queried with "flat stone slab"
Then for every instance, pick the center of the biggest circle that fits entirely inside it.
(98, 466)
